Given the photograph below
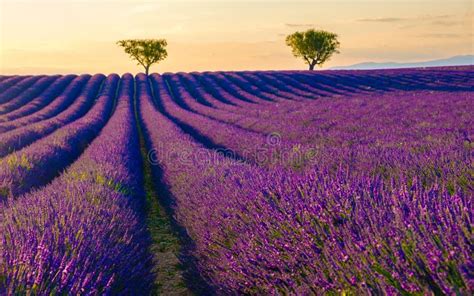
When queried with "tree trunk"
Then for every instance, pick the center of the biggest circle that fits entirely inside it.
(313, 64)
(147, 69)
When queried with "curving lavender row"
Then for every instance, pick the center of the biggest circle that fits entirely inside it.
(4, 77)
(83, 233)
(271, 88)
(221, 99)
(191, 98)
(50, 103)
(246, 118)
(433, 79)
(218, 78)
(235, 100)
(28, 93)
(17, 89)
(289, 84)
(222, 89)
(39, 100)
(242, 144)
(5, 93)
(230, 99)
(262, 110)
(338, 136)
(364, 144)
(25, 170)
(21, 137)
(243, 83)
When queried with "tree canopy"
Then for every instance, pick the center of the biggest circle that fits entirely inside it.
(314, 46)
(145, 51)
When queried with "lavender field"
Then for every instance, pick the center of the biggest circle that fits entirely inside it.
(229, 183)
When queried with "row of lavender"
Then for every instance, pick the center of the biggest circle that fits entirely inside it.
(263, 229)
(24, 135)
(391, 134)
(23, 170)
(213, 97)
(245, 89)
(83, 233)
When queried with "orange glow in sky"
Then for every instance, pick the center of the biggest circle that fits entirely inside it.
(79, 36)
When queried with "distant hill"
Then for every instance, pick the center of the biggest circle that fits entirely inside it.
(453, 61)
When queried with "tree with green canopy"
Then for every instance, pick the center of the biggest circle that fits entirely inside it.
(314, 46)
(145, 51)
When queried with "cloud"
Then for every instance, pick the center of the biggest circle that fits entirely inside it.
(382, 20)
(446, 23)
(441, 35)
(436, 19)
(299, 25)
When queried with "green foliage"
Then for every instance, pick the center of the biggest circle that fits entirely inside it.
(145, 51)
(315, 47)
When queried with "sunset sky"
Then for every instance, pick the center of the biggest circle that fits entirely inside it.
(79, 36)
